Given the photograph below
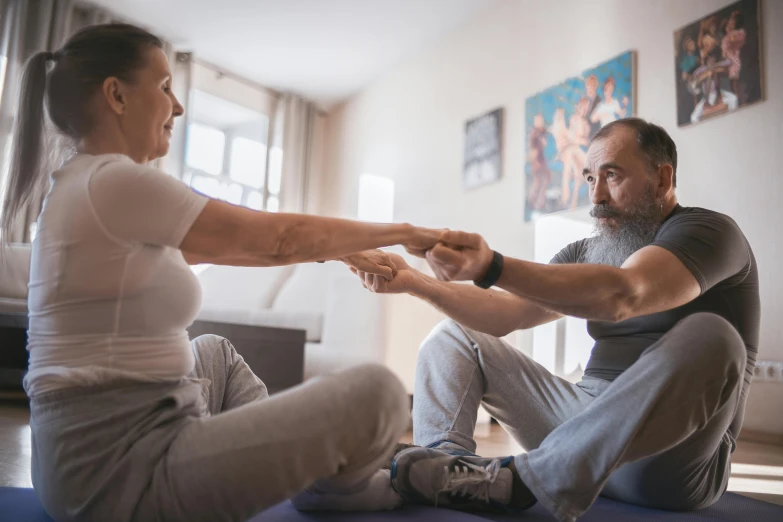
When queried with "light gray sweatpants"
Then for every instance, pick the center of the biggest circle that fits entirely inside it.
(213, 447)
(656, 436)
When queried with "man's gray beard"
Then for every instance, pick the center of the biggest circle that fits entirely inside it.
(636, 229)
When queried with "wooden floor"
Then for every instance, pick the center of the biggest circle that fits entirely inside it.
(757, 469)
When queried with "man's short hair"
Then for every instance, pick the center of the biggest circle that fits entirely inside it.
(653, 140)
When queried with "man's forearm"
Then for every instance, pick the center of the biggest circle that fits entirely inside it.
(488, 311)
(596, 292)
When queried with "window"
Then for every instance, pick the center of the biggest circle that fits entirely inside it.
(376, 199)
(226, 154)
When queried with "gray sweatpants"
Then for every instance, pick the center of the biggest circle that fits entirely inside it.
(213, 447)
(656, 436)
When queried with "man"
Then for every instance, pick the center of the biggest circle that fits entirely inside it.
(671, 298)
(591, 93)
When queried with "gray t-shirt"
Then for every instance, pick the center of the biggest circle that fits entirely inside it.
(715, 250)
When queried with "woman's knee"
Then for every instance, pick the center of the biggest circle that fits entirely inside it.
(209, 344)
(376, 393)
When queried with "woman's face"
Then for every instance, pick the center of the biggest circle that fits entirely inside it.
(608, 89)
(147, 120)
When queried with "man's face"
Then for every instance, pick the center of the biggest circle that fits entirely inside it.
(622, 189)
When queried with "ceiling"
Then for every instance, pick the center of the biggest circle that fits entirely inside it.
(325, 50)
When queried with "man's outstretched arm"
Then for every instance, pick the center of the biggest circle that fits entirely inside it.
(651, 280)
(489, 311)
(493, 312)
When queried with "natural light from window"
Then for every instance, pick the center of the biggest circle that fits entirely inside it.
(206, 146)
(376, 199)
(247, 161)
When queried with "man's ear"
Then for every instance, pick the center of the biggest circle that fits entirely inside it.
(113, 91)
(665, 180)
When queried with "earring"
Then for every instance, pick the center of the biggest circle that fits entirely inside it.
(661, 206)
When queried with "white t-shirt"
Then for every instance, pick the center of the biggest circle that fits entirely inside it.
(110, 292)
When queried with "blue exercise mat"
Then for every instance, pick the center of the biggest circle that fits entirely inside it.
(21, 505)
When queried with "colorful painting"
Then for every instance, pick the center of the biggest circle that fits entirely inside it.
(559, 124)
(483, 149)
(718, 63)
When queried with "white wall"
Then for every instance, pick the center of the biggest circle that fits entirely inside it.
(408, 126)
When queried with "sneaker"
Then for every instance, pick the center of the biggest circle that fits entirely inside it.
(374, 494)
(435, 477)
(452, 448)
(401, 446)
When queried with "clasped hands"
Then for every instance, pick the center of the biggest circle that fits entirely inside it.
(452, 256)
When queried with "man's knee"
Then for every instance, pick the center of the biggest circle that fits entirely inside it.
(446, 338)
(717, 342)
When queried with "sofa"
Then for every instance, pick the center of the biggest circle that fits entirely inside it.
(344, 323)
(14, 274)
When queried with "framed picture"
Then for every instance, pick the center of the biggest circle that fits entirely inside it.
(483, 136)
(559, 124)
(718, 63)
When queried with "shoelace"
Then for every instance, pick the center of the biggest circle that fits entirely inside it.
(470, 480)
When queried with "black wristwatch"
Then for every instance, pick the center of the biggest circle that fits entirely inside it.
(493, 274)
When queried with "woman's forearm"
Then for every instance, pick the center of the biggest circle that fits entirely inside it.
(310, 238)
(225, 232)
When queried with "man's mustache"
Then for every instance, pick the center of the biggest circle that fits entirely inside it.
(603, 210)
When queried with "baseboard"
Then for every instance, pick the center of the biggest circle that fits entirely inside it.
(760, 437)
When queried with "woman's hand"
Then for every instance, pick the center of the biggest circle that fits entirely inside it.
(423, 239)
(403, 281)
(373, 262)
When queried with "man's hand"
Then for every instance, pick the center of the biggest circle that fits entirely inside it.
(403, 280)
(461, 256)
(373, 262)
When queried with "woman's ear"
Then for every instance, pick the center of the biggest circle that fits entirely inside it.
(113, 92)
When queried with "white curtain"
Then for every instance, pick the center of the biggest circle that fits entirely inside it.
(293, 129)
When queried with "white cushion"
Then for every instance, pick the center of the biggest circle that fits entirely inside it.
(319, 360)
(241, 288)
(308, 287)
(14, 271)
(310, 322)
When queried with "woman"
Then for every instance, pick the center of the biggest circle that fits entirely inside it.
(129, 421)
(609, 109)
(569, 141)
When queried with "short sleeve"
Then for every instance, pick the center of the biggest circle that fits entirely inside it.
(139, 204)
(709, 244)
(571, 254)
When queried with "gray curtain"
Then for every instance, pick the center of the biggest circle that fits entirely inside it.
(26, 27)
